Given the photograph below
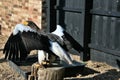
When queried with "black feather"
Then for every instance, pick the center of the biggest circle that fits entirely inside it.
(33, 25)
(19, 46)
(70, 42)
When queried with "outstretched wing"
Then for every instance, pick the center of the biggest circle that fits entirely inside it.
(19, 46)
(70, 42)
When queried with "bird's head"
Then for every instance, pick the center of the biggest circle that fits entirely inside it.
(31, 24)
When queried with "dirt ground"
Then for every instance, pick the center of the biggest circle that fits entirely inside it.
(92, 71)
(6, 72)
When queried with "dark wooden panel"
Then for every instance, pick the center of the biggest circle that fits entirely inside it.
(106, 5)
(112, 60)
(70, 14)
(69, 9)
(105, 13)
(106, 50)
(74, 25)
(73, 3)
(75, 17)
(105, 32)
(49, 8)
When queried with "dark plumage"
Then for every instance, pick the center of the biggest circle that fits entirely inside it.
(68, 42)
(19, 46)
(26, 37)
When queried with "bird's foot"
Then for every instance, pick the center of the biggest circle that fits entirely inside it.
(34, 70)
(45, 63)
(36, 66)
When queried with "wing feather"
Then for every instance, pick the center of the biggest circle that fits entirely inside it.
(35, 41)
(71, 42)
(7, 48)
(10, 51)
(19, 46)
(15, 51)
(10, 48)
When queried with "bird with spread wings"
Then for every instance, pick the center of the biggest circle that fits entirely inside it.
(27, 37)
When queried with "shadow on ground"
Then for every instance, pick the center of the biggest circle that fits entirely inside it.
(112, 74)
(2, 60)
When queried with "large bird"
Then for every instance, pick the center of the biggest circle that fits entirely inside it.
(68, 41)
(27, 37)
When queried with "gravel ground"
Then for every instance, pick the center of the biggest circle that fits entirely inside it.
(100, 71)
(92, 71)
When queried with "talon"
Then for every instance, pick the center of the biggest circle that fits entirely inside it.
(34, 69)
(45, 63)
(37, 66)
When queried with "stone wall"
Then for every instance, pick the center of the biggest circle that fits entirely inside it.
(17, 11)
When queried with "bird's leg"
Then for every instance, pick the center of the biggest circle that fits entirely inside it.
(46, 57)
(42, 63)
(43, 58)
(46, 61)
(35, 67)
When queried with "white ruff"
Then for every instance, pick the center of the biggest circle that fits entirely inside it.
(21, 28)
(59, 31)
(63, 55)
